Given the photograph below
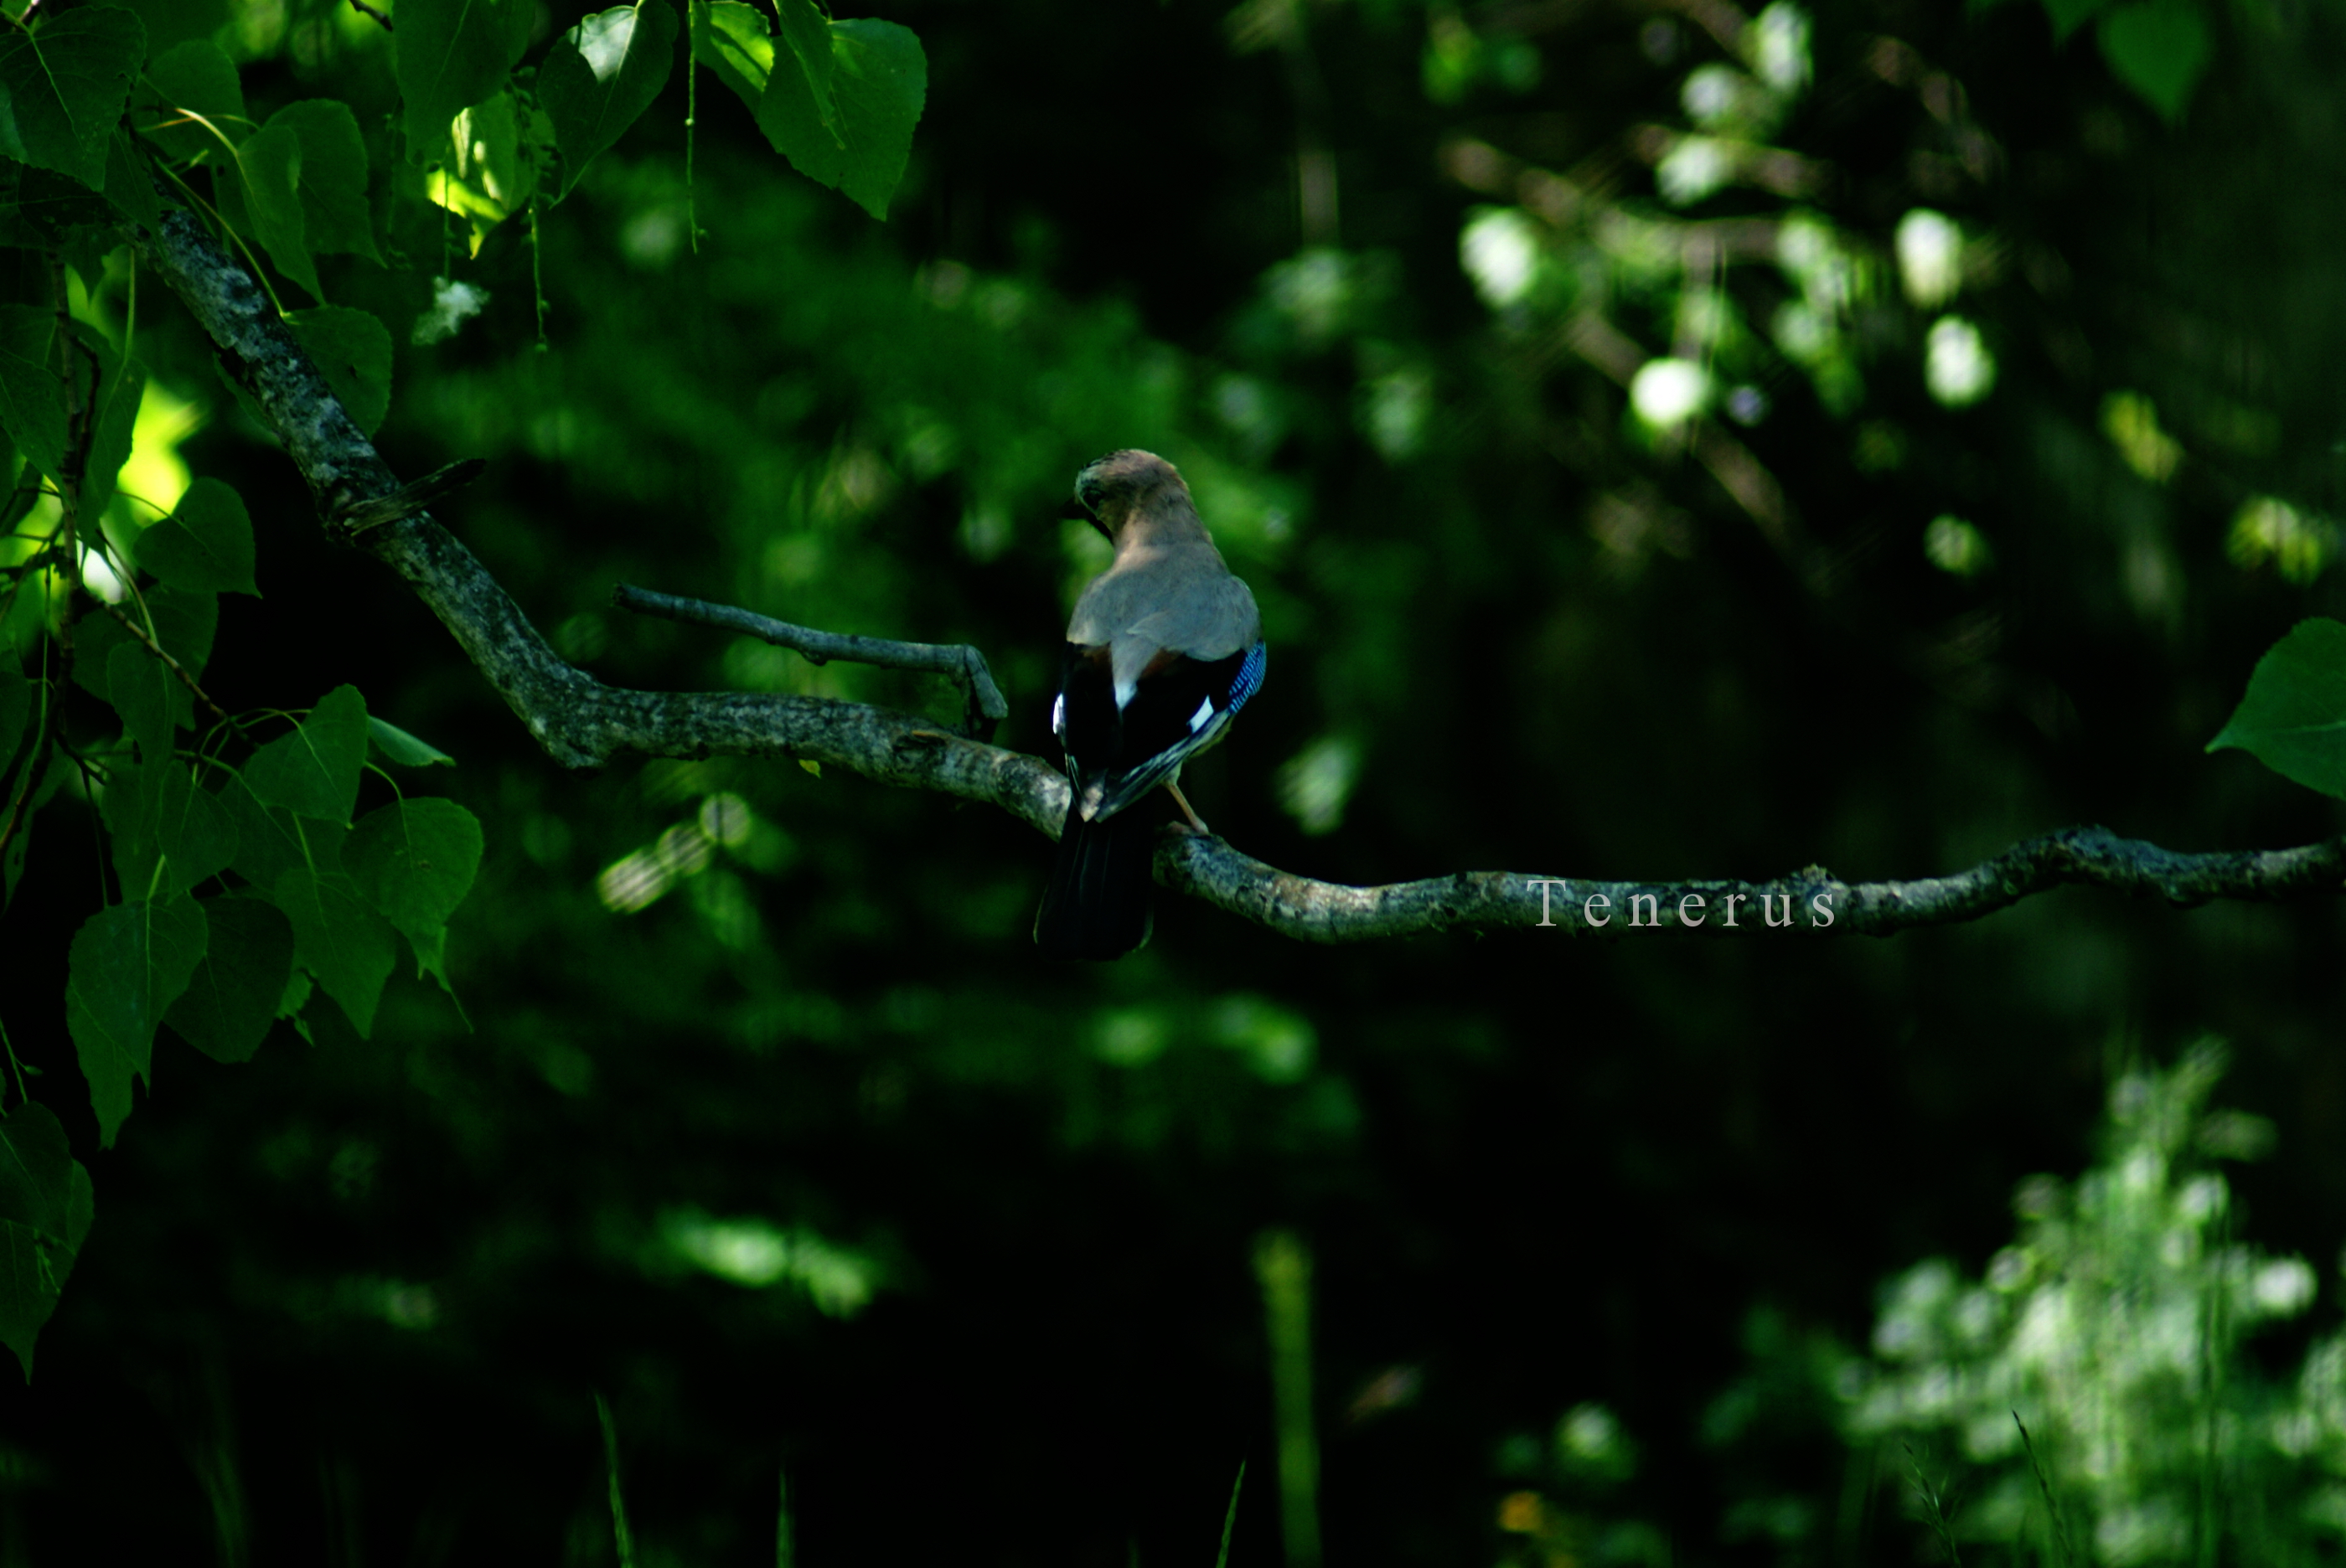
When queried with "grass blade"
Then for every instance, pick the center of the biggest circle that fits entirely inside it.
(2044, 1485)
(621, 1537)
(1231, 1519)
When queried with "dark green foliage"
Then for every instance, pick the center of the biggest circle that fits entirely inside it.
(452, 55)
(205, 546)
(66, 82)
(194, 78)
(314, 771)
(130, 963)
(44, 1216)
(232, 999)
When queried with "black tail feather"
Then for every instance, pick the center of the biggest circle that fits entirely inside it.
(1096, 904)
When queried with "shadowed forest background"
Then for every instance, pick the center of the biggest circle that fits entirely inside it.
(1634, 486)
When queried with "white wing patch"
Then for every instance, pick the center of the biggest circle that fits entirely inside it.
(1205, 711)
(1059, 716)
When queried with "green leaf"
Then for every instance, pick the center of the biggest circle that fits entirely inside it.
(32, 395)
(402, 748)
(184, 624)
(2068, 16)
(139, 686)
(15, 707)
(314, 771)
(120, 388)
(487, 178)
(195, 75)
(730, 38)
(205, 544)
(601, 75)
(272, 840)
(2293, 719)
(807, 30)
(227, 1007)
(189, 832)
(45, 1209)
(2161, 48)
(352, 350)
(129, 184)
(36, 1176)
(12, 859)
(415, 860)
(340, 938)
(879, 80)
(129, 964)
(449, 54)
(268, 171)
(333, 183)
(65, 85)
(172, 21)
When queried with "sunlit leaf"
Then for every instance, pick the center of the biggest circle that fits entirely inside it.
(65, 83)
(879, 81)
(731, 39)
(314, 771)
(2293, 719)
(129, 964)
(601, 75)
(228, 1006)
(491, 176)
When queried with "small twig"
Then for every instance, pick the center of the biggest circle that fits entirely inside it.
(363, 9)
(985, 709)
(170, 663)
(355, 517)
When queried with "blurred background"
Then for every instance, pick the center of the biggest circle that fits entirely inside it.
(1665, 440)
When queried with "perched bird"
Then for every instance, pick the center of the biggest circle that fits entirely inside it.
(1163, 648)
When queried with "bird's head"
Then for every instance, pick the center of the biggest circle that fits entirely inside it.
(1111, 487)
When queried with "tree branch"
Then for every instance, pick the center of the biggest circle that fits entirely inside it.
(583, 723)
(984, 709)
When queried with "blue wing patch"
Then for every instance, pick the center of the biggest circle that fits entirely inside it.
(1250, 677)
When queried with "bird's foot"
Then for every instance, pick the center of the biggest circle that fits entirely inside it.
(1195, 824)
